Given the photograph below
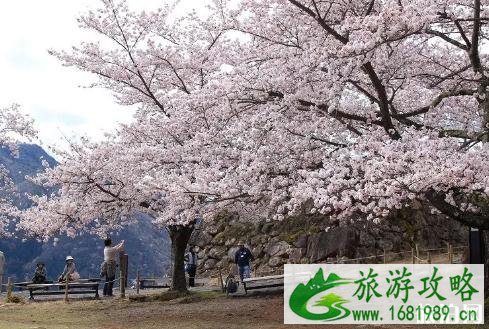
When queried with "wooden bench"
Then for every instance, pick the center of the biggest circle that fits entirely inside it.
(151, 284)
(272, 281)
(80, 287)
(88, 280)
(23, 285)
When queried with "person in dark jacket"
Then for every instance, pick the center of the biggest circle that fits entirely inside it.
(191, 266)
(40, 274)
(242, 258)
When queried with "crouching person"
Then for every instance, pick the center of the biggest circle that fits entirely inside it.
(69, 272)
(40, 273)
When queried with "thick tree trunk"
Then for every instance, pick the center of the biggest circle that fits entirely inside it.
(179, 236)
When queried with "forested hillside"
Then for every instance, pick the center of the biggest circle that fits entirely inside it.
(146, 245)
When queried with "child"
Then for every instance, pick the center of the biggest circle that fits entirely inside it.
(40, 274)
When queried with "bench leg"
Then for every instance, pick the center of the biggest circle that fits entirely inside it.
(244, 286)
(96, 294)
(31, 296)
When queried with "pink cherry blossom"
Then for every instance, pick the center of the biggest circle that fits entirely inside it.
(351, 109)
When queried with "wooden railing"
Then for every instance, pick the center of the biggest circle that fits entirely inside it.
(414, 256)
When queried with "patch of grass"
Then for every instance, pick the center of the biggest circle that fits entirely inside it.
(208, 294)
(170, 295)
(185, 297)
(189, 299)
(291, 237)
(15, 299)
(161, 297)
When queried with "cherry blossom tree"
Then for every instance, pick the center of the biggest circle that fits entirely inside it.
(146, 60)
(351, 109)
(14, 126)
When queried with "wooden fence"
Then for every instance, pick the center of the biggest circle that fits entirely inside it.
(415, 256)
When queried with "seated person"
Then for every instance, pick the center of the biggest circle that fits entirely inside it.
(40, 274)
(69, 272)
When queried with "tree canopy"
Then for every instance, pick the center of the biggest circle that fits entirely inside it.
(14, 127)
(351, 109)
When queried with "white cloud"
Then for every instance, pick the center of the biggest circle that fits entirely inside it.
(50, 93)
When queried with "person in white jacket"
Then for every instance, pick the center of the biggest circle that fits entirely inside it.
(108, 267)
(2, 267)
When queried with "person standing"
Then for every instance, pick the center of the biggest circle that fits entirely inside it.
(242, 258)
(2, 268)
(109, 265)
(191, 265)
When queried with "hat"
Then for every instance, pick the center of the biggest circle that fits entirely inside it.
(69, 258)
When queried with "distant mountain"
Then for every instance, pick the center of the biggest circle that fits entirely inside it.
(148, 247)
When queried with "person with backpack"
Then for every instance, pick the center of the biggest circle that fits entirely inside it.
(191, 265)
(242, 258)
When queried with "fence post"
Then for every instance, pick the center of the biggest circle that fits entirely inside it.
(385, 258)
(123, 260)
(66, 288)
(429, 258)
(126, 268)
(122, 285)
(125, 257)
(412, 256)
(138, 280)
(450, 253)
(10, 288)
(417, 251)
(220, 279)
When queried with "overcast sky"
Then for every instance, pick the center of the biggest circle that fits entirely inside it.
(47, 91)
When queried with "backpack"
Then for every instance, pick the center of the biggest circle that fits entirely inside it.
(103, 269)
(231, 285)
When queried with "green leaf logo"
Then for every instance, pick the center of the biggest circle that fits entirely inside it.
(303, 293)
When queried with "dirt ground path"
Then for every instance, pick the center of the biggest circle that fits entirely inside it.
(216, 312)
